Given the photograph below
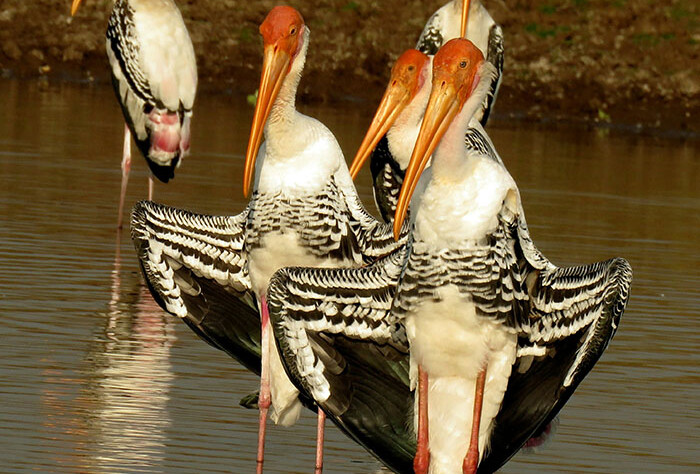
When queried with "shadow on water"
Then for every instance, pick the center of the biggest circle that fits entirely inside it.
(95, 377)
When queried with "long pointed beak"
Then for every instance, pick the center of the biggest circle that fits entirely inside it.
(74, 7)
(275, 67)
(396, 98)
(465, 19)
(442, 108)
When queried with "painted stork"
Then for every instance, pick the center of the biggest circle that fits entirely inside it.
(391, 151)
(467, 19)
(154, 74)
(479, 306)
(304, 211)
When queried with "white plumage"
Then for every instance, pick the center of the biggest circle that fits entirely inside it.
(154, 73)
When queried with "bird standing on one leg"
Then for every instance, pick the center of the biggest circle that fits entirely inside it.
(154, 74)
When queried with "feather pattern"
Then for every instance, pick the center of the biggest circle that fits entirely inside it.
(353, 302)
(494, 54)
(154, 74)
(563, 318)
(331, 224)
(387, 175)
(173, 244)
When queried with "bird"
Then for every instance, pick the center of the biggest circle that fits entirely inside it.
(470, 296)
(467, 19)
(304, 211)
(154, 74)
(390, 151)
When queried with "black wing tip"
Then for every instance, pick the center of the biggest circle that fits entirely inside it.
(620, 272)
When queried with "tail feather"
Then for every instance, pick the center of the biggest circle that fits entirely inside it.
(167, 141)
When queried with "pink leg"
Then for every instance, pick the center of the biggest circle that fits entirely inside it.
(320, 428)
(471, 461)
(422, 459)
(150, 188)
(264, 397)
(126, 167)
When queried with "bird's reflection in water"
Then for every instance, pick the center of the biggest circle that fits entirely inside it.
(132, 378)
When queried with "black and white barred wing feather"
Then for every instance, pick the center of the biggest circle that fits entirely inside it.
(355, 303)
(341, 347)
(387, 178)
(196, 268)
(375, 238)
(570, 316)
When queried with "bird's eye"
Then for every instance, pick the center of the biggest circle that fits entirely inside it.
(293, 30)
(463, 64)
(411, 68)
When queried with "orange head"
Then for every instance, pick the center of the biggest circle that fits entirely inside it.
(282, 32)
(455, 76)
(407, 78)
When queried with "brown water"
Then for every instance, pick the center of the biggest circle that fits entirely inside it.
(94, 377)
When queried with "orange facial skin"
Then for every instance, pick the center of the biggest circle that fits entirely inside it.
(455, 77)
(282, 32)
(406, 80)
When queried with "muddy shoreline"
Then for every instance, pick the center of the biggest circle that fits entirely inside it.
(627, 64)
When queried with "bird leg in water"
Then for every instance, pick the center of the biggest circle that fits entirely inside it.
(264, 398)
(471, 460)
(422, 459)
(150, 188)
(126, 167)
(320, 428)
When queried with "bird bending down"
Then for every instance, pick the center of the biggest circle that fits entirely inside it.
(304, 211)
(391, 150)
(476, 302)
(154, 74)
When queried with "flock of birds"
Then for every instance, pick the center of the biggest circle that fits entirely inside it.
(439, 338)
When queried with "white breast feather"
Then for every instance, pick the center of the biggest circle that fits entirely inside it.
(459, 210)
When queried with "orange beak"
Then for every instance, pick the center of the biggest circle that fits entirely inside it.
(395, 99)
(275, 67)
(74, 7)
(465, 19)
(443, 106)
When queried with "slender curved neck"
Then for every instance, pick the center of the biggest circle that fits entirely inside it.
(284, 107)
(452, 151)
(403, 134)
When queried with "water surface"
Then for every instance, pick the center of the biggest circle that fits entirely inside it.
(94, 377)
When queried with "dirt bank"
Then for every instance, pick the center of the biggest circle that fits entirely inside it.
(629, 62)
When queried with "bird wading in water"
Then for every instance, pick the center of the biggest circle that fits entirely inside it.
(154, 74)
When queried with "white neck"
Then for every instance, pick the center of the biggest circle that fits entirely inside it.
(451, 152)
(403, 134)
(283, 110)
(460, 196)
(299, 153)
